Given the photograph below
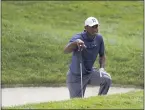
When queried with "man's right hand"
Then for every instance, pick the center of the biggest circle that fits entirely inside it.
(80, 44)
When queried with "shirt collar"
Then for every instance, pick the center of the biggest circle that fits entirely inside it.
(86, 36)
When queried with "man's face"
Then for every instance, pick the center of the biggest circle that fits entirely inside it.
(92, 30)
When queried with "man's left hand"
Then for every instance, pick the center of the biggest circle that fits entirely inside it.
(103, 72)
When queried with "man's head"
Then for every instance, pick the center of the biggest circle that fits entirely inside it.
(91, 25)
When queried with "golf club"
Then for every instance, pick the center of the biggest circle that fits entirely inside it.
(81, 73)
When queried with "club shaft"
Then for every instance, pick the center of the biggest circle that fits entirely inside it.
(81, 79)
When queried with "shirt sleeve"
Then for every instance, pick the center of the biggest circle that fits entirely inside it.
(102, 48)
(74, 38)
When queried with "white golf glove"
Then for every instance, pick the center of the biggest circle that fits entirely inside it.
(101, 69)
(103, 72)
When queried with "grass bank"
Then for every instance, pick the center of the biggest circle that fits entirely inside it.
(131, 100)
(34, 34)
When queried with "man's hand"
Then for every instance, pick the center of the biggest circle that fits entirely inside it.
(73, 45)
(101, 69)
(80, 44)
(103, 72)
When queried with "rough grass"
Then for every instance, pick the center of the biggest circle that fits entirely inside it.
(34, 34)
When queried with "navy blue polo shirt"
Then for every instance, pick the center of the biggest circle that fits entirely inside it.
(89, 54)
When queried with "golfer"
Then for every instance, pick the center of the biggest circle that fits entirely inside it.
(85, 48)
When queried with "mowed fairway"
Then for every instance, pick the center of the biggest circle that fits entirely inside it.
(34, 34)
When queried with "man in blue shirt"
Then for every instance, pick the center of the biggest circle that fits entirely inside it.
(85, 47)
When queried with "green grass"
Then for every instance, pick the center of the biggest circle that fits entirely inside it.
(130, 100)
(34, 34)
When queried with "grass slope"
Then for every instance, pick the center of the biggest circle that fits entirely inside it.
(34, 34)
(131, 100)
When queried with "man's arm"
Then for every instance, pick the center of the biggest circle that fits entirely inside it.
(70, 47)
(73, 45)
(102, 61)
(102, 57)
